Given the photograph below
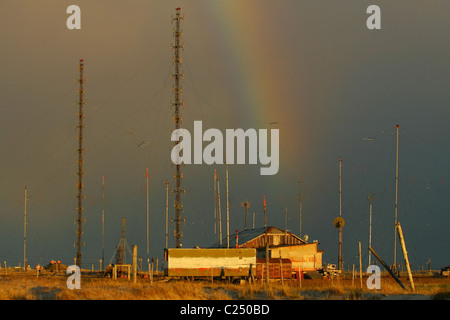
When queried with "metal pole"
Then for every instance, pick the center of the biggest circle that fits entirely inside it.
(370, 224)
(265, 216)
(80, 161)
(396, 199)
(103, 220)
(246, 210)
(387, 268)
(341, 262)
(228, 207)
(267, 259)
(360, 265)
(167, 214)
(219, 213)
(148, 241)
(245, 204)
(215, 201)
(25, 233)
(301, 204)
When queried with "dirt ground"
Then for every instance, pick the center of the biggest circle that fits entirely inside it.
(53, 286)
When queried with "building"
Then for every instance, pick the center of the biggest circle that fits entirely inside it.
(304, 256)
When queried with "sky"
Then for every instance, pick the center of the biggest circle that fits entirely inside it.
(311, 69)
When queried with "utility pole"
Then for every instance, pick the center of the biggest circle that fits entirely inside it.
(396, 200)
(405, 255)
(300, 199)
(177, 76)
(80, 161)
(371, 199)
(25, 233)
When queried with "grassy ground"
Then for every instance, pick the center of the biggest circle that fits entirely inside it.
(51, 286)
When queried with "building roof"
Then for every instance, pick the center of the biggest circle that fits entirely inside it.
(248, 235)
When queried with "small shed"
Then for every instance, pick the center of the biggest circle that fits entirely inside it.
(210, 262)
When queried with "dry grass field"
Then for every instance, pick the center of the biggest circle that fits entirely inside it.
(52, 286)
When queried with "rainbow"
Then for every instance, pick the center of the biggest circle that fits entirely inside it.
(258, 83)
(261, 77)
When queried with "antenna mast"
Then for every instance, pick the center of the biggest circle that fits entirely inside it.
(25, 233)
(167, 214)
(265, 215)
(371, 199)
(300, 199)
(103, 218)
(228, 207)
(148, 242)
(177, 76)
(339, 221)
(396, 198)
(341, 262)
(80, 161)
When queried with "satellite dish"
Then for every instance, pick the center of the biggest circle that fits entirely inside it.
(339, 222)
(306, 237)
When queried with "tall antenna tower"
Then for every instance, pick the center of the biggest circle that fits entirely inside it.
(339, 221)
(177, 76)
(80, 162)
